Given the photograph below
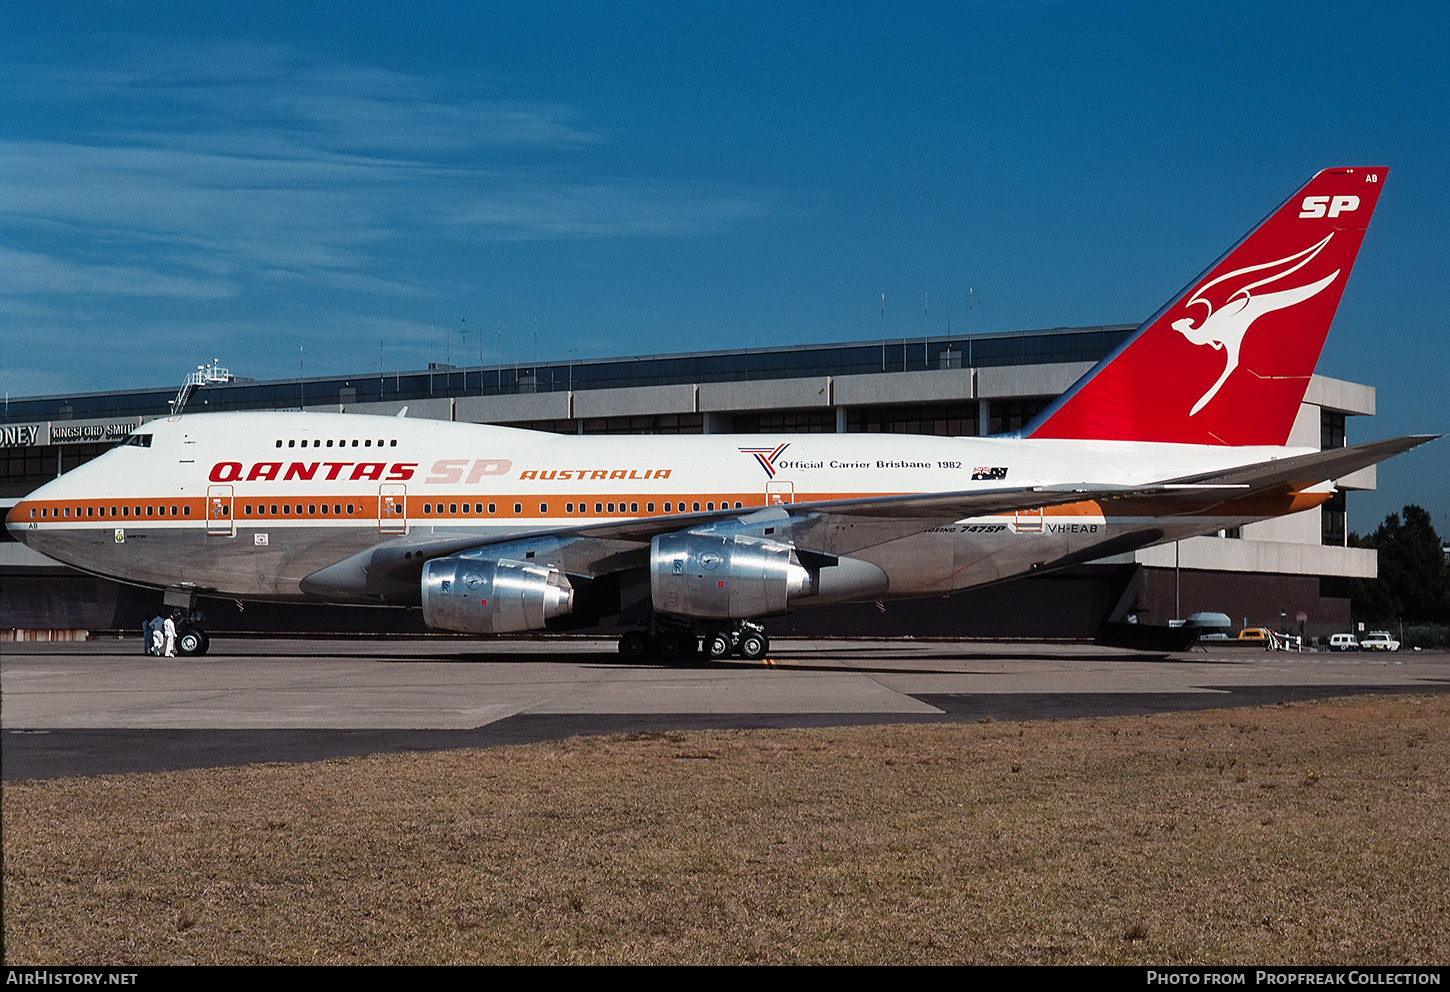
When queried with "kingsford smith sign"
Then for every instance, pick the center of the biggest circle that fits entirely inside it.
(48, 432)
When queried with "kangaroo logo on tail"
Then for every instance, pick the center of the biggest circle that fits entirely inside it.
(1223, 328)
(1265, 320)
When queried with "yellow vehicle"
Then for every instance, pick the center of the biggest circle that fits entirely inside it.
(1261, 635)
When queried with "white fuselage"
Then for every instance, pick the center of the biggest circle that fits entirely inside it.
(248, 505)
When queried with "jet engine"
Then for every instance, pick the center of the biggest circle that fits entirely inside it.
(714, 576)
(491, 596)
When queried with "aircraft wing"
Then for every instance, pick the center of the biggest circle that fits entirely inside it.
(391, 570)
(1280, 476)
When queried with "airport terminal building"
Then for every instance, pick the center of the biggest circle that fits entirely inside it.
(1289, 573)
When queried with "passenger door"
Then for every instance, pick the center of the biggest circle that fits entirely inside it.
(779, 492)
(393, 508)
(219, 520)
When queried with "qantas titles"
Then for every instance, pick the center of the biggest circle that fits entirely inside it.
(307, 471)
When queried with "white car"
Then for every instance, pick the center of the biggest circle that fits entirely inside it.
(1379, 640)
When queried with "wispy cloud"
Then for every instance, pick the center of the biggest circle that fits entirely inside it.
(33, 273)
(184, 171)
(221, 90)
(523, 210)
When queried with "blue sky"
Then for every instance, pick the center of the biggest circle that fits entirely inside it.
(364, 181)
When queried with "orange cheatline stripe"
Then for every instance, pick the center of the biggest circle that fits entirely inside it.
(473, 507)
(366, 506)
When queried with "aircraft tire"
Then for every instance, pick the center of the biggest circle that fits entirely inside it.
(753, 646)
(635, 645)
(675, 648)
(719, 646)
(190, 643)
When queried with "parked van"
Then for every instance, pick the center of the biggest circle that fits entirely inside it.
(1343, 642)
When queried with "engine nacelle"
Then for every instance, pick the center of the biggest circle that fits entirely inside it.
(488, 596)
(735, 577)
(706, 575)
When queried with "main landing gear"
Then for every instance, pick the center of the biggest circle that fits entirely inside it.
(677, 643)
(746, 640)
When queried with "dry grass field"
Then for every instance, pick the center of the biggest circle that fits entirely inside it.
(1294, 834)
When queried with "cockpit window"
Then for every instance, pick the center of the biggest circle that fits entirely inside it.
(139, 440)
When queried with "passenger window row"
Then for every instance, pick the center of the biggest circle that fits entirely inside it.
(601, 507)
(297, 509)
(82, 512)
(318, 443)
(336, 509)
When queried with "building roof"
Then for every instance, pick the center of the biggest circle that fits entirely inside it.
(1059, 344)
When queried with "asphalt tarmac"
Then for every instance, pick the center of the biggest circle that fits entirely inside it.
(102, 707)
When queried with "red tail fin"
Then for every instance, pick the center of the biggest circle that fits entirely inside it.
(1229, 360)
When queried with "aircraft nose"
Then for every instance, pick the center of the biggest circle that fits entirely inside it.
(24, 519)
(15, 522)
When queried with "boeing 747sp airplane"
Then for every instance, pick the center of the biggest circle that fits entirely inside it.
(1181, 431)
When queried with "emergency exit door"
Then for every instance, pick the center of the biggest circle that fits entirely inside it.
(778, 492)
(219, 521)
(393, 508)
